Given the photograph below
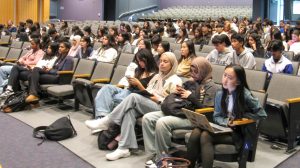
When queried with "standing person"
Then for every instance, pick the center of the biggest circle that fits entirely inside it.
(136, 105)
(109, 96)
(234, 101)
(49, 75)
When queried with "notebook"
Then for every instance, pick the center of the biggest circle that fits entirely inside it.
(200, 120)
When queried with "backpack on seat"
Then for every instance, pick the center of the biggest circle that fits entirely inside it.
(15, 102)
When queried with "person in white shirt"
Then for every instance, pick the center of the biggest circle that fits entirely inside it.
(108, 52)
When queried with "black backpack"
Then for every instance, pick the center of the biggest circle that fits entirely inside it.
(60, 129)
(107, 138)
(15, 102)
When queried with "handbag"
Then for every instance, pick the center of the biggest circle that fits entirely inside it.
(60, 129)
(173, 104)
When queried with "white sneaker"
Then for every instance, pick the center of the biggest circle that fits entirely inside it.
(101, 123)
(118, 154)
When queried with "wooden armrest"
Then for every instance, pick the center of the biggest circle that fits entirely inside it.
(294, 100)
(204, 110)
(101, 80)
(82, 75)
(262, 91)
(243, 121)
(120, 86)
(2, 58)
(4, 43)
(10, 60)
(64, 72)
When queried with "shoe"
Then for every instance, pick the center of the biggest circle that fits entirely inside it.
(96, 131)
(101, 123)
(6, 93)
(118, 154)
(31, 98)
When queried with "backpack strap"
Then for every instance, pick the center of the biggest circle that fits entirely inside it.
(75, 133)
(38, 132)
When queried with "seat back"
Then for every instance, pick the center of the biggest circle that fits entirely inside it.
(23, 52)
(259, 63)
(284, 86)
(5, 38)
(207, 48)
(3, 52)
(97, 45)
(177, 54)
(175, 46)
(289, 55)
(26, 45)
(103, 70)
(261, 96)
(84, 66)
(295, 67)
(16, 44)
(14, 53)
(169, 39)
(75, 62)
(125, 59)
(119, 73)
(217, 73)
(256, 79)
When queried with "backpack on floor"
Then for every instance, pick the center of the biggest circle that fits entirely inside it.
(15, 102)
(60, 129)
(108, 139)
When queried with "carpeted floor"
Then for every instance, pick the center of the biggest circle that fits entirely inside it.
(290, 162)
(18, 149)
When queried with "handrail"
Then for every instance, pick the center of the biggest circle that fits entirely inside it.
(137, 10)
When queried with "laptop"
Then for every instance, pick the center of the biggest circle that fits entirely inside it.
(200, 121)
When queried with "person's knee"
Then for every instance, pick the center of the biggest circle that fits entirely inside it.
(205, 137)
(146, 120)
(163, 124)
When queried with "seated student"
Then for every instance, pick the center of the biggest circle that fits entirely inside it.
(85, 47)
(64, 29)
(24, 65)
(187, 55)
(242, 56)
(200, 92)
(163, 47)
(219, 30)
(55, 37)
(136, 105)
(204, 35)
(295, 37)
(143, 34)
(277, 63)
(143, 43)
(109, 96)
(254, 43)
(87, 31)
(106, 53)
(75, 49)
(155, 40)
(221, 55)
(295, 47)
(49, 75)
(123, 41)
(234, 101)
(182, 36)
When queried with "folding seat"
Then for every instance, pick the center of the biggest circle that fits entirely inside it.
(125, 59)
(256, 80)
(175, 46)
(16, 44)
(97, 45)
(283, 107)
(197, 47)
(289, 55)
(295, 67)
(207, 48)
(177, 54)
(169, 39)
(5, 40)
(12, 56)
(84, 69)
(259, 63)
(27, 45)
(217, 73)
(82, 87)
(3, 52)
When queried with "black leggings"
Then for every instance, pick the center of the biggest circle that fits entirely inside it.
(201, 146)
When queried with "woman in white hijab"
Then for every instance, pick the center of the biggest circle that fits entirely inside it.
(75, 49)
(136, 105)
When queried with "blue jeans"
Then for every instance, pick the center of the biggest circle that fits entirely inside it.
(4, 73)
(108, 97)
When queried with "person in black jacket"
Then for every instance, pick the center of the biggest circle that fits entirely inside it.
(49, 76)
(199, 91)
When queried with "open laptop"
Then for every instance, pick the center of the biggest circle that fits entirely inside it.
(200, 120)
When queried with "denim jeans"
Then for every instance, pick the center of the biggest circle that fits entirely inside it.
(108, 97)
(4, 73)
